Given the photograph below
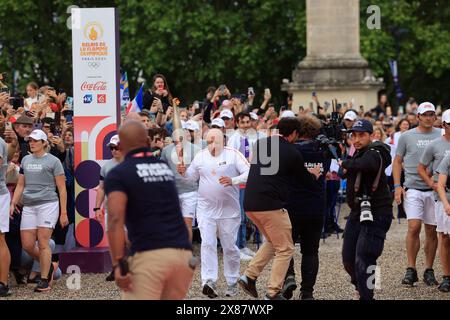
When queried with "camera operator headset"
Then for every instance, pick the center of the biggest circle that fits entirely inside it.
(370, 201)
(306, 206)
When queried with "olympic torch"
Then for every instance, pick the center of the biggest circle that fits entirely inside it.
(178, 132)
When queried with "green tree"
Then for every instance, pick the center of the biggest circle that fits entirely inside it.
(198, 43)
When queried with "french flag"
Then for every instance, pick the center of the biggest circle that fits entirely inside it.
(136, 104)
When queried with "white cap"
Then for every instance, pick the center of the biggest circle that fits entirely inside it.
(287, 114)
(218, 122)
(446, 116)
(254, 116)
(37, 135)
(225, 113)
(192, 125)
(114, 140)
(425, 107)
(350, 115)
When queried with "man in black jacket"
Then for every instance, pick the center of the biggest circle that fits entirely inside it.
(364, 241)
(275, 162)
(306, 206)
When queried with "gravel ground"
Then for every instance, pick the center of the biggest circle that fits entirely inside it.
(332, 282)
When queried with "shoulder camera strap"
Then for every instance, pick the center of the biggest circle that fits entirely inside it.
(377, 178)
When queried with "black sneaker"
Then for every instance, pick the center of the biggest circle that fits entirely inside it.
(445, 285)
(278, 296)
(248, 285)
(111, 276)
(289, 287)
(210, 290)
(20, 278)
(4, 290)
(429, 278)
(410, 277)
(42, 286)
(306, 296)
(35, 280)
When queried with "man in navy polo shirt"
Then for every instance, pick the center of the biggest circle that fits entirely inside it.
(142, 194)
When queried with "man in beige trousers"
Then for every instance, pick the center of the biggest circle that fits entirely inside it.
(275, 162)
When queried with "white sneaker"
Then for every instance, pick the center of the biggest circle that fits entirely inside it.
(248, 252)
(245, 257)
(232, 290)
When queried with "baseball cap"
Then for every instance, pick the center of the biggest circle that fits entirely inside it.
(446, 116)
(218, 122)
(253, 116)
(192, 125)
(37, 135)
(350, 115)
(425, 107)
(362, 125)
(24, 120)
(114, 140)
(287, 114)
(226, 114)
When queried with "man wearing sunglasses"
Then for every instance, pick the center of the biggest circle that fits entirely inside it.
(106, 168)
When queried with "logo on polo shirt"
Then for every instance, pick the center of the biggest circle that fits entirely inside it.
(154, 172)
(47, 222)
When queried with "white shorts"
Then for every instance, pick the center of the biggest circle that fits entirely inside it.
(5, 200)
(419, 205)
(442, 218)
(42, 216)
(188, 204)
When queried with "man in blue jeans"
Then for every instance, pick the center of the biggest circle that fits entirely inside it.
(243, 140)
(364, 240)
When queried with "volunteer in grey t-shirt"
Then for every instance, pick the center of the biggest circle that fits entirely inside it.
(40, 174)
(169, 155)
(3, 166)
(418, 196)
(187, 190)
(410, 147)
(433, 155)
(441, 167)
(443, 171)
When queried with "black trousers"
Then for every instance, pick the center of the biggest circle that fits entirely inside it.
(363, 245)
(307, 230)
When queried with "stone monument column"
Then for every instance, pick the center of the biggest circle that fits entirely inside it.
(333, 67)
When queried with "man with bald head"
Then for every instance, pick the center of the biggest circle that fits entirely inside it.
(219, 171)
(142, 195)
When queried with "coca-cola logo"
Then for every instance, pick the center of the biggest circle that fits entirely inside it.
(97, 86)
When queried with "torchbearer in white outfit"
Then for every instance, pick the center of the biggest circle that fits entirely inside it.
(219, 170)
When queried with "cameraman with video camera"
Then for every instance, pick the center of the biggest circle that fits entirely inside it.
(306, 207)
(370, 201)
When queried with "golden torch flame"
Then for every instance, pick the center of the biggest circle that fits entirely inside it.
(93, 34)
